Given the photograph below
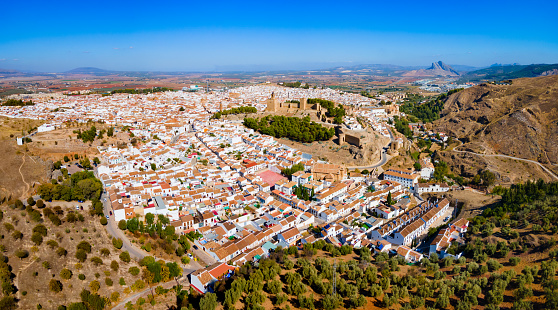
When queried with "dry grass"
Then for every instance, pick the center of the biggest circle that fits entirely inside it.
(68, 235)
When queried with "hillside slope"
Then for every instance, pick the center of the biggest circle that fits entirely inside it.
(519, 120)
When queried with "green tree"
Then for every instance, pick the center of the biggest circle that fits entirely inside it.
(208, 301)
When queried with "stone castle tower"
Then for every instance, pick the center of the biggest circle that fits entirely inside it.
(303, 103)
(272, 104)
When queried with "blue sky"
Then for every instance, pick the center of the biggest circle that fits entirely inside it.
(210, 35)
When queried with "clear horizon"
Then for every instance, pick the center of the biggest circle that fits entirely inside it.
(138, 36)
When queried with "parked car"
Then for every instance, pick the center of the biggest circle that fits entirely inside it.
(107, 217)
(110, 212)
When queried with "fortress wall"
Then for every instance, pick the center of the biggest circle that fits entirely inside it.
(352, 140)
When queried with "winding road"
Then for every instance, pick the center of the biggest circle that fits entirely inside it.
(384, 156)
(510, 157)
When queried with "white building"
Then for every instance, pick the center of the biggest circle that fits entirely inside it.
(46, 127)
(406, 178)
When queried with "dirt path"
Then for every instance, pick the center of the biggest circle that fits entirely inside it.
(22, 178)
(18, 276)
(511, 157)
(147, 291)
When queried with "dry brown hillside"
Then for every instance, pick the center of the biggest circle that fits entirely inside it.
(519, 120)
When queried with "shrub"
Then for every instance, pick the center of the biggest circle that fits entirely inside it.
(134, 271)
(96, 260)
(62, 252)
(114, 265)
(138, 285)
(125, 257)
(114, 296)
(9, 227)
(104, 221)
(514, 261)
(41, 229)
(21, 254)
(105, 252)
(122, 224)
(94, 286)
(52, 244)
(17, 235)
(37, 238)
(55, 286)
(121, 281)
(84, 245)
(81, 276)
(117, 243)
(81, 255)
(108, 281)
(493, 265)
(66, 274)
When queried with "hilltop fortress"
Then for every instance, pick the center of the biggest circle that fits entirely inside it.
(273, 105)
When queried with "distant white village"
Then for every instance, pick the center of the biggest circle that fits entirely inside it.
(224, 181)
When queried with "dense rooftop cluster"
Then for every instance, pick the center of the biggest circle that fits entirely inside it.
(225, 181)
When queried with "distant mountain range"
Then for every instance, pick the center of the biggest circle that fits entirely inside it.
(509, 72)
(496, 72)
(87, 70)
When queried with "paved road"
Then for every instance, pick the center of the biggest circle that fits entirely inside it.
(511, 157)
(206, 258)
(115, 232)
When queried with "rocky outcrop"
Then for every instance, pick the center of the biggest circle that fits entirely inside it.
(436, 69)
